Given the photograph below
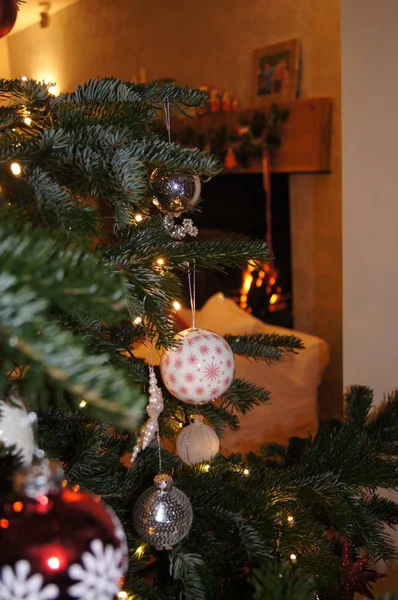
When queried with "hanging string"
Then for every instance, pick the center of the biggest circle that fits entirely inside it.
(192, 291)
(159, 452)
(166, 107)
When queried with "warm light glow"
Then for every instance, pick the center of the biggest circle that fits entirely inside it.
(176, 305)
(17, 506)
(43, 500)
(293, 557)
(4, 523)
(137, 219)
(180, 425)
(82, 403)
(54, 563)
(24, 78)
(16, 169)
(246, 285)
(273, 299)
(246, 472)
(140, 551)
(207, 468)
(122, 595)
(76, 488)
(160, 262)
(52, 90)
(290, 519)
(137, 321)
(27, 121)
(64, 483)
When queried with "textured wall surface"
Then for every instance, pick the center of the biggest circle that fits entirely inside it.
(4, 59)
(212, 42)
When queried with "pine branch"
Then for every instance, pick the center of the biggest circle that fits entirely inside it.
(243, 396)
(268, 347)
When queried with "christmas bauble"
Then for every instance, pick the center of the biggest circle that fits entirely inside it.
(60, 546)
(16, 427)
(172, 193)
(8, 16)
(200, 369)
(197, 442)
(162, 515)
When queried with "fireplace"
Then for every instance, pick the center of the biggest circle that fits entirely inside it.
(234, 204)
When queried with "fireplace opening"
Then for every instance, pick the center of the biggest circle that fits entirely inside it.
(234, 204)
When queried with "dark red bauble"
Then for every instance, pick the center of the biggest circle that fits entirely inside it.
(8, 16)
(60, 546)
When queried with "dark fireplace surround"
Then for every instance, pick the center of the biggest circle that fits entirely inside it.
(234, 204)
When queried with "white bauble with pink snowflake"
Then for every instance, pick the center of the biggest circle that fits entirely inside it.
(200, 369)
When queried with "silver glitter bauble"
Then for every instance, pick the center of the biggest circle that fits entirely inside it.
(174, 194)
(162, 515)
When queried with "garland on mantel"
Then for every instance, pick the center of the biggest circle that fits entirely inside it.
(262, 131)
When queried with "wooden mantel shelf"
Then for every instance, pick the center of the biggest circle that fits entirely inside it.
(306, 136)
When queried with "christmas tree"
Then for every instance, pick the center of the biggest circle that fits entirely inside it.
(88, 272)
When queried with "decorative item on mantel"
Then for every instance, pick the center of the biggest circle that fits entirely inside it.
(220, 100)
(251, 135)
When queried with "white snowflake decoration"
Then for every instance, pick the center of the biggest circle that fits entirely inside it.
(98, 577)
(17, 585)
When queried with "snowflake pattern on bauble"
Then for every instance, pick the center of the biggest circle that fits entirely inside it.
(200, 369)
(99, 574)
(17, 584)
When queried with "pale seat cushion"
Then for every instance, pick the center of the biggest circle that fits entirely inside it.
(293, 382)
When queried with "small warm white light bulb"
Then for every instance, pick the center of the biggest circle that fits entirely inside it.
(24, 78)
(122, 595)
(293, 557)
(290, 519)
(52, 90)
(82, 403)
(138, 218)
(180, 425)
(53, 563)
(137, 321)
(176, 305)
(207, 468)
(160, 262)
(246, 472)
(27, 121)
(16, 169)
(140, 551)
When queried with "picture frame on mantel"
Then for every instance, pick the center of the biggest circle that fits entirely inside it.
(275, 73)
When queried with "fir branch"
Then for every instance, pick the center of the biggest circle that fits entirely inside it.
(243, 396)
(269, 347)
(358, 402)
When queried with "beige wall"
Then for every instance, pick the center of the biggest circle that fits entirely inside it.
(212, 42)
(370, 214)
(4, 59)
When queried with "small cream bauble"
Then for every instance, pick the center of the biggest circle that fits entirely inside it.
(16, 427)
(198, 442)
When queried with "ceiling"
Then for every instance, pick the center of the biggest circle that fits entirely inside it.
(29, 12)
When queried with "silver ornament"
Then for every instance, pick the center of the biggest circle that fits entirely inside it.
(174, 194)
(162, 515)
(179, 232)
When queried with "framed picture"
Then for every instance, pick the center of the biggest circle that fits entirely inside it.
(275, 73)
